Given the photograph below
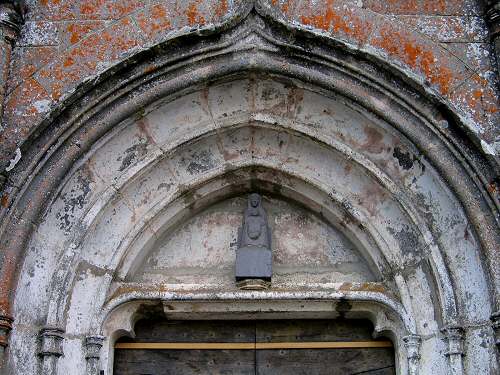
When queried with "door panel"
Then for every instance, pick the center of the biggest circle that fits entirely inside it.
(325, 361)
(184, 362)
(313, 330)
(162, 330)
(320, 361)
(344, 361)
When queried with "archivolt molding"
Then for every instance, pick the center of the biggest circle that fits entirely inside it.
(154, 220)
(209, 133)
(256, 47)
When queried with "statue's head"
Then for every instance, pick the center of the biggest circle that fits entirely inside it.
(254, 199)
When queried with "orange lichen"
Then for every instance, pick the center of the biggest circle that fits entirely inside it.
(119, 9)
(159, 12)
(60, 74)
(457, 27)
(7, 276)
(5, 200)
(412, 51)
(221, 8)
(30, 59)
(480, 98)
(156, 20)
(78, 30)
(416, 56)
(46, 2)
(90, 8)
(434, 6)
(25, 96)
(339, 22)
(493, 187)
(68, 61)
(322, 21)
(285, 7)
(193, 15)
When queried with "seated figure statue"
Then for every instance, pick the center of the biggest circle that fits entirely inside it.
(254, 256)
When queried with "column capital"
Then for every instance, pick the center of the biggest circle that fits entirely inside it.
(454, 334)
(93, 345)
(495, 323)
(51, 342)
(412, 344)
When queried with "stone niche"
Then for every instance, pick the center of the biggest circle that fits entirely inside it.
(201, 251)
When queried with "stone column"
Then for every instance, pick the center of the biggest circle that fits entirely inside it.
(51, 348)
(5, 328)
(495, 323)
(454, 335)
(93, 345)
(493, 19)
(10, 23)
(412, 345)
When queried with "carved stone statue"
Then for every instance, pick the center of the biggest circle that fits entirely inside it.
(255, 230)
(254, 256)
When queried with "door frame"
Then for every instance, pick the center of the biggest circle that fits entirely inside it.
(387, 314)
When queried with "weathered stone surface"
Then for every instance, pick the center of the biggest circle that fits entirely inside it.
(303, 246)
(149, 206)
(104, 33)
(133, 129)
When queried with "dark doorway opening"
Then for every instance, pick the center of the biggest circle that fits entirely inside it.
(250, 347)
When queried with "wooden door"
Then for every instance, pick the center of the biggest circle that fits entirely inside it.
(261, 347)
(336, 361)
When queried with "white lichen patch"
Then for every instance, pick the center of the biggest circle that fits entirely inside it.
(14, 160)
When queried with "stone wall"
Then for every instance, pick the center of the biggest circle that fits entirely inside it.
(132, 131)
(65, 44)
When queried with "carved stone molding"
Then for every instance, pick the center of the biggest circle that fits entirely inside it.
(412, 344)
(93, 345)
(454, 335)
(5, 328)
(10, 20)
(51, 348)
(493, 17)
(495, 323)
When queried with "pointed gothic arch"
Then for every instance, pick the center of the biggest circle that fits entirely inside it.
(252, 103)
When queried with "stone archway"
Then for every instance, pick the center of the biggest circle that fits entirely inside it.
(369, 155)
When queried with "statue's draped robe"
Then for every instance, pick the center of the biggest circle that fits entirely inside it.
(254, 257)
